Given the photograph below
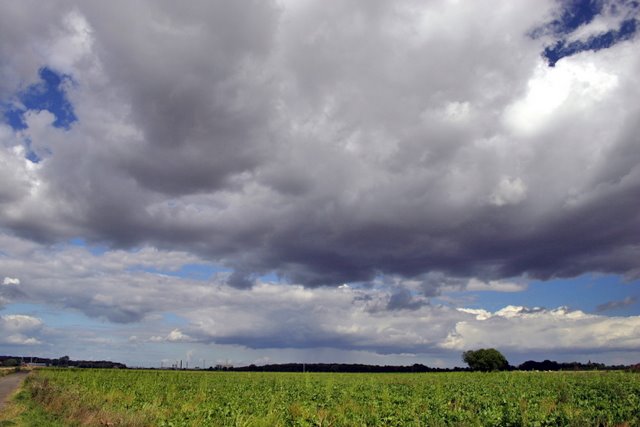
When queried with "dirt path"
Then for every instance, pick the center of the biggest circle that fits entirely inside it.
(9, 384)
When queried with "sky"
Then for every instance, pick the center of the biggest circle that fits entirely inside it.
(356, 181)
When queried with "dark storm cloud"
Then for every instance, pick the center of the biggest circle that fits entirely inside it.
(614, 305)
(329, 144)
(402, 299)
(194, 79)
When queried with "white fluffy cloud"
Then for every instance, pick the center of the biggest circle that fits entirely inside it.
(174, 336)
(522, 329)
(9, 281)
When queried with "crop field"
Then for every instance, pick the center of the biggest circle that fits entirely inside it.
(179, 398)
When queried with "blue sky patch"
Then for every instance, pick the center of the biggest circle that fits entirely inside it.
(588, 293)
(48, 94)
(200, 272)
(602, 41)
(53, 316)
(93, 248)
(576, 13)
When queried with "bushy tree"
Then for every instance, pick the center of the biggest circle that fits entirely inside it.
(10, 362)
(485, 359)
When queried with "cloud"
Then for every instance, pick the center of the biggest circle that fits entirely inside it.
(177, 336)
(402, 299)
(9, 290)
(510, 191)
(174, 336)
(614, 305)
(376, 318)
(15, 327)
(495, 286)
(520, 330)
(19, 323)
(9, 281)
(276, 153)
(122, 286)
(342, 321)
(402, 148)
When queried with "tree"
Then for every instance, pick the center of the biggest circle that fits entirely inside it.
(485, 359)
(10, 362)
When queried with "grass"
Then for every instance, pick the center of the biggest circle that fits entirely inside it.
(6, 371)
(175, 398)
(24, 412)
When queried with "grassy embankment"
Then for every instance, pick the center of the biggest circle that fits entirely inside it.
(21, 411)
(173, 398)
(6, 371)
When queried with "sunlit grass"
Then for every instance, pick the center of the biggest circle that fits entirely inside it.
(175, 398)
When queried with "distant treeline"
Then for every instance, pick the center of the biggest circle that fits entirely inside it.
(550, 365)
(337, 367)
(64, 361)
(530, 365)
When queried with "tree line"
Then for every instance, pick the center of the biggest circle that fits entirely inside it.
(490, 359)
(63, 362)
(477, 360)
(337, 367)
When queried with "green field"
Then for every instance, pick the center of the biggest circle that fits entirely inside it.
(175, 398)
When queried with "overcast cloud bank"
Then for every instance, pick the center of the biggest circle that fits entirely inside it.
(366, 156)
